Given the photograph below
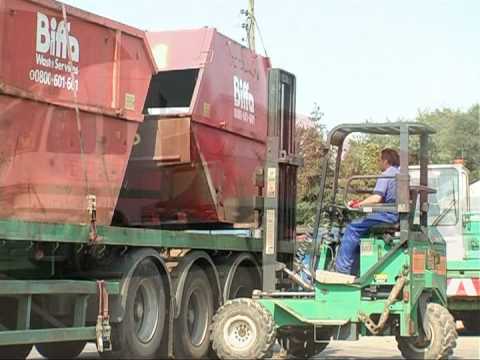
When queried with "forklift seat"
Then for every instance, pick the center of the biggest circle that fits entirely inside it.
(330, 277)
(386, 228)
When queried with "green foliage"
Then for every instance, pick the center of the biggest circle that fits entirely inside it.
(457, 137)
(361, 157)
(310, 141)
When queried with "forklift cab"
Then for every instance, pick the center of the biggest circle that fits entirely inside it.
(408, 196)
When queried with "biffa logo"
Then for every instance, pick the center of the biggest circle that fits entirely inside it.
(53, 38)
(243, 101)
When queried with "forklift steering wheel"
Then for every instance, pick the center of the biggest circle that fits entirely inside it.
(337, 213)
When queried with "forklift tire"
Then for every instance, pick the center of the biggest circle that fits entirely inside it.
(15, 351)
(301, 345)
(443, 337)
(243, 329)
(63, 350)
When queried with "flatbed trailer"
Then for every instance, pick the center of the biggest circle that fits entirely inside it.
(138, 243)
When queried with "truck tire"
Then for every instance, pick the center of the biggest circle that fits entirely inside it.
(15, 351)
(243, 329)
(140, 333)
(242, 284)
(8, 318)
(443, 337)
(63, 350)
(192, 325)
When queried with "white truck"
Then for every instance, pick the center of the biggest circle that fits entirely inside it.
(455, 213)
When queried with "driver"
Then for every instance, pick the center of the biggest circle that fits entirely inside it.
(385, 192)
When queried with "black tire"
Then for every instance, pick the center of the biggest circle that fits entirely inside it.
(139, 335)
(196, 312)
(63, 350)
(300, 344)
(242, 285)
(8, 318)
(443, 337)
(249, 329)
(15, 351)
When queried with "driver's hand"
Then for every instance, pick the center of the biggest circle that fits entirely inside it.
(354, 204)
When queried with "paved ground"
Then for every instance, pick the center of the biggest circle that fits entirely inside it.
(366, 348)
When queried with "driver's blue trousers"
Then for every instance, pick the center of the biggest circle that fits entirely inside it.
(349, 251)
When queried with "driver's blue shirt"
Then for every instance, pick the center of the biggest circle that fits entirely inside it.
(387, 187)
(348, 254)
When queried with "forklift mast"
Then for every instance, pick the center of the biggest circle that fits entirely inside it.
(280, 175)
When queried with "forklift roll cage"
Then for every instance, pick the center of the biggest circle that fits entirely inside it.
(406, 194)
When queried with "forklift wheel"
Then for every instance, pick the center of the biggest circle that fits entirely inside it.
(442, 339)
(301, 345)
(243, 329)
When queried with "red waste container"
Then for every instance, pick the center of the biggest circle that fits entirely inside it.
(72, 90)
(204, 136)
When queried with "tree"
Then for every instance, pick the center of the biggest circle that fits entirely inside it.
(310, 141)
(457, 137)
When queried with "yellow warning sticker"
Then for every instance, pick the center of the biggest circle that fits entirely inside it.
(271, 182)
(130, 102)
(381, 278)
(270, 236)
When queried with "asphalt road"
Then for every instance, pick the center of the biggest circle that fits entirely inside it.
(367, 348)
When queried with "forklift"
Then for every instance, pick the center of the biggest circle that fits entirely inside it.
(399, 288)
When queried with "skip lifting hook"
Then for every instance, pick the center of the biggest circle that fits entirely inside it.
(92, 210)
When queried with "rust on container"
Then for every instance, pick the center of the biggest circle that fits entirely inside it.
(72, 89)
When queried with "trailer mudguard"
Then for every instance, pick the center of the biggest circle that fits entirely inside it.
(180, 273)
(228, 270)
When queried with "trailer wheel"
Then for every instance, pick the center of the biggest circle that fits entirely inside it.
(301, 344)
(63, 350)
(15, 351)
(242, 284)
(140, 333)
(442, 337)
(8, 318)
(193, 323)
(243, 329)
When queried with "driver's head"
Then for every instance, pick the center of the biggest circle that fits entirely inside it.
(389, 157)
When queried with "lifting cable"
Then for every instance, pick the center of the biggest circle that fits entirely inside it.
(90, 198)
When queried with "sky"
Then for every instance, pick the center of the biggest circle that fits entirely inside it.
(358, 60)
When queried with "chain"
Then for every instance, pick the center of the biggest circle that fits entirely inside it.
(375, 329)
